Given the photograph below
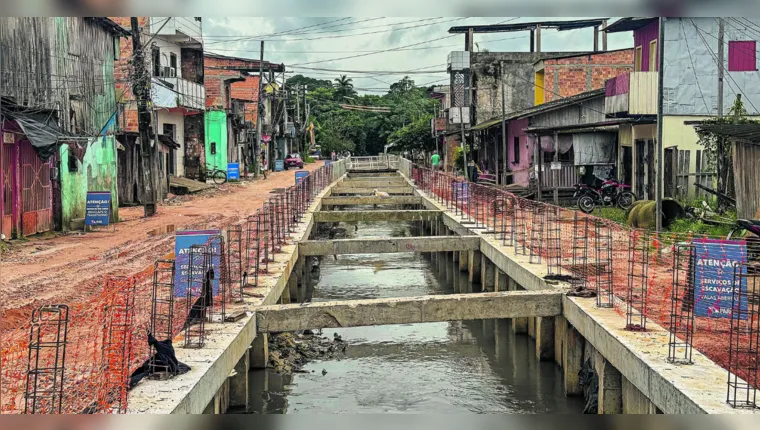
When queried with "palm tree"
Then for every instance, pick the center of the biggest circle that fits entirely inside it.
(344, 87)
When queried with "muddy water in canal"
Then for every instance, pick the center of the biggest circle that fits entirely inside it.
(450, 367)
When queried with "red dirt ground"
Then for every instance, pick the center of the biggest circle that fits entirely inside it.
(68, 267)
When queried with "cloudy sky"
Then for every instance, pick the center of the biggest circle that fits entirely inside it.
(378, 44)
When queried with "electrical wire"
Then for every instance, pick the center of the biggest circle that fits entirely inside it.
(718, 63)
(694, 70)
(349, 35)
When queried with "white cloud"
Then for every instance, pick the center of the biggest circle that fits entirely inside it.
(331, 38)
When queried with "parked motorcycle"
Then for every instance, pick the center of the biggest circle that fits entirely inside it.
(609, 193)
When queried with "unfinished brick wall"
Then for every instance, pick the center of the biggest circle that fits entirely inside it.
(124, 75)
(248, 90)
(565, 77)
(192, 65)
(195, 153)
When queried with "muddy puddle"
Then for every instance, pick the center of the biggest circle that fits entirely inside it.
(452, 367)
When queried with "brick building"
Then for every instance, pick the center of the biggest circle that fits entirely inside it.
(173, 49)
(232, 86)
(568, 75)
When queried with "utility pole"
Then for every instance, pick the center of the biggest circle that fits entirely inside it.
(721, 36)
(306, 141)
(464, 145)
(660, 105)
(272, 123)
(141, 90)
(259, 104)
(503, 125)
(297, 119)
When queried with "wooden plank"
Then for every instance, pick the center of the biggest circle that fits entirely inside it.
(699, 172)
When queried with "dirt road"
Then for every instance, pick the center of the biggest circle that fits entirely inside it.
(64, 268)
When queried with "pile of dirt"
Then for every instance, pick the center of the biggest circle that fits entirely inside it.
(290, 352)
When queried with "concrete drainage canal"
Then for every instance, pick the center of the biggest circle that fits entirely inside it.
(477, 366)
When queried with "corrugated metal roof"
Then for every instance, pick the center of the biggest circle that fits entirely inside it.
(544, 107)
(744, 132)
(628, 24)
(520, 26)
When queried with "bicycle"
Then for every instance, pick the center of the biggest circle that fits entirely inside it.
(218, 176)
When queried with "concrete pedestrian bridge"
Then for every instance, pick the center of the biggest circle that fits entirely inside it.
(632, 368)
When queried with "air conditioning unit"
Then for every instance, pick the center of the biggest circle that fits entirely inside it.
(169, 72)
(454, 117)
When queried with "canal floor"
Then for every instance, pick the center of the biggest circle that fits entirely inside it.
(450, 367)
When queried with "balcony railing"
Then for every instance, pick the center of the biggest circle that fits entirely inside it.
(182, 27)
(634, 93)
(178, 93)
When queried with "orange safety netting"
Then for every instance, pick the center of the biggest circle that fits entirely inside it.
(628, 269)
(84, 365)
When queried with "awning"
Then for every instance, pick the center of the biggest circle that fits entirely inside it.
(41, 129)
(168, 141)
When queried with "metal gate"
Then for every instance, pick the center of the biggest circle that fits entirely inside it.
(7, 197)
(36, 192)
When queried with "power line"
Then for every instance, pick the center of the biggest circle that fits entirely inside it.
(345, 29)
(720, 65)
(350, 35)
(692, 66)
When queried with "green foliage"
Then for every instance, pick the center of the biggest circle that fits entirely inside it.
(696, 226)
(367, 133)
(612, 213)
(310, 83)
(308, 159)
(458, 158)
(719, 151)
(414, 136)
(344, 89)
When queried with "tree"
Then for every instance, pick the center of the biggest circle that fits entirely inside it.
(719, 152)
(367, 133)
(310, 83)
(344, 88)
(414, 136)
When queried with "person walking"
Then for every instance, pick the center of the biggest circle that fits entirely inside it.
(435, 160)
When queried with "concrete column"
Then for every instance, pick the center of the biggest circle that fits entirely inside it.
(544, 327)
(532, 327)
(306, 283)
(239, 383)
(560, 326)
(464, 261)
(474, 261)
(519, 325)
(500, 281)
(292, 287)
(259, 351)
(442, 261)
(610, 387)
(285, 296)
(456, 256)
(487, 277)
(572, 361)
(221, 401)
(634, 401)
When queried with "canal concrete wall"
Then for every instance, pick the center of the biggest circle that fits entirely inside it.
(632, 367)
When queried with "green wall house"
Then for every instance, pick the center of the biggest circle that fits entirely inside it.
(94, 170)
(89, 162)
(216, 140)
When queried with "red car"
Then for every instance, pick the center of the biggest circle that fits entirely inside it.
(293, 160)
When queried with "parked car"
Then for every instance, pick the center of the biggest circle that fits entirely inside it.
(293, 160)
